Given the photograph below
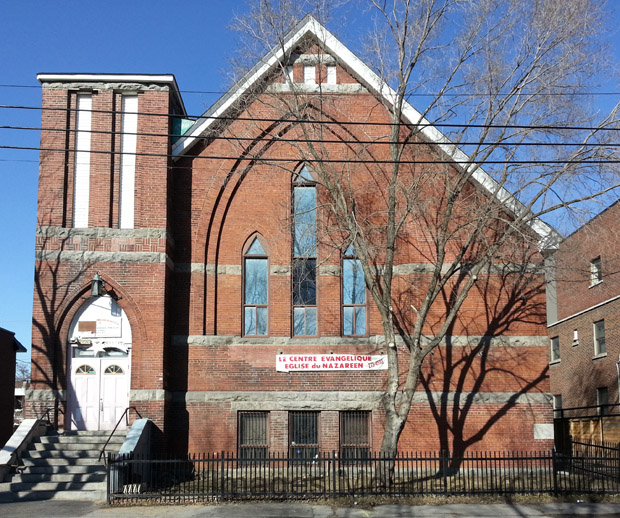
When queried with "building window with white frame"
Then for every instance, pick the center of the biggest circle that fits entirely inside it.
(575, 337)
(331, 74)
(599, 338)
(555, 348)
(596, 271)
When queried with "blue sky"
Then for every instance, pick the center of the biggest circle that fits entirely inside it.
(189, 39)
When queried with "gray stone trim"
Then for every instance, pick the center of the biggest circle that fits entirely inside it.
(46, 395)
(280, 269)
(312, 59)
(334, 270)
(78, 256)
(329, 269)
(130, 87)
(341, 400)
(148, 395)
(103, 232)
(340, 88)
(376, 341)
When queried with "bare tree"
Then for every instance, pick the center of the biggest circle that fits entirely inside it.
(506, 82)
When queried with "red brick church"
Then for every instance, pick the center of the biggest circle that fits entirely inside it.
(180, 272)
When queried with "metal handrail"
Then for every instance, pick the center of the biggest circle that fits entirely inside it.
(126, 416)
(49, 409)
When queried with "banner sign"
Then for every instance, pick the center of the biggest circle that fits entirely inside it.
(330, 362)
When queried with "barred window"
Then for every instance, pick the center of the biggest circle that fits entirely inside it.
(252, 435)
(303, 433)
(355, 435)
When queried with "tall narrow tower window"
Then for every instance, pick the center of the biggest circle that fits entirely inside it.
(353, 295)
(128, 161)
(304, 255)
(81, 184)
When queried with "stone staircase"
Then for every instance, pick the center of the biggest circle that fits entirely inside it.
(63, 466)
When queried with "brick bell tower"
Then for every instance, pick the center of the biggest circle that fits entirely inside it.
(103, 248)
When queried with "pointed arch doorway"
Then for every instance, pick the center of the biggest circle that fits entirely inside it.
(99, 365)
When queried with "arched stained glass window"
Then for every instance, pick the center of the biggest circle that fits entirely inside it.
(114, 369)
(255, 290)
(353, 295)
(85, 369)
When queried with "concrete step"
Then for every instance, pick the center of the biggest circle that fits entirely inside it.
(77, 439)
(94, 495)
(62, 454)
(89, 461)
(64, 468)
(31, 478)
(16, 487)
(74, 447)
(90, 433)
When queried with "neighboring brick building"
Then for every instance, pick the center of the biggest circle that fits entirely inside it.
(9, 347)
(200, 269)
(584, 329)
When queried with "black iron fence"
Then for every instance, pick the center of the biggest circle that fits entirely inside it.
(226, 476)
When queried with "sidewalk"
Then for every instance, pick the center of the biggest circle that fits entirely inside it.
(77, 509)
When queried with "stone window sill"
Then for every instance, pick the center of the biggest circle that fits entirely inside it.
(598, 356)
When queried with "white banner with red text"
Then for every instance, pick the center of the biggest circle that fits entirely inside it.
(330, 362)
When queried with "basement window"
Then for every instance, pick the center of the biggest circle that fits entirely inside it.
(355, 435)
(303, 433)
(252, 435)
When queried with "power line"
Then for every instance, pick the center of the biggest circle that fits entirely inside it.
(326, 160)
(416, 94)
(314, 141)
(330, 122)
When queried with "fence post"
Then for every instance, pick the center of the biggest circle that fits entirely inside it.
(444, 470)
(555, 472)
(222, 475)
(334, 457)
(108, 471)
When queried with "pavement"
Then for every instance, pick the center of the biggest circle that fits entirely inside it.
(75, 509)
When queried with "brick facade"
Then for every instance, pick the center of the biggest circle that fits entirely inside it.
(581, 301)
(179, 274)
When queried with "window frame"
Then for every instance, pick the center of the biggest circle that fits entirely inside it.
(602, 403)
(596, 271)
(555, 349)
(241, 448)
(600, 347)
(298, 180)
(347, 256)
(245, 256)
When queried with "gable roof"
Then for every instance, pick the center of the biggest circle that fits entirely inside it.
(310, 26)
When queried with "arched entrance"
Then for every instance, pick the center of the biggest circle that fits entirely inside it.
(99, 365)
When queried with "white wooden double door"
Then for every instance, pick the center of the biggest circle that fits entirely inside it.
(99, 392)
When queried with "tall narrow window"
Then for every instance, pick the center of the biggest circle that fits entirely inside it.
(252, 435)
(602, 400)
(599, 338)
(596, 271)
(353, 295)
(128, 161)
(255, 290)
(81, 185)
(555, 348)
(310, 74)
(303, 435)
(304, 255)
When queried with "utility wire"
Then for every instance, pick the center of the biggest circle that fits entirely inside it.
(330, 122)
(314, 141)
(250, 158)
(416, 94)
